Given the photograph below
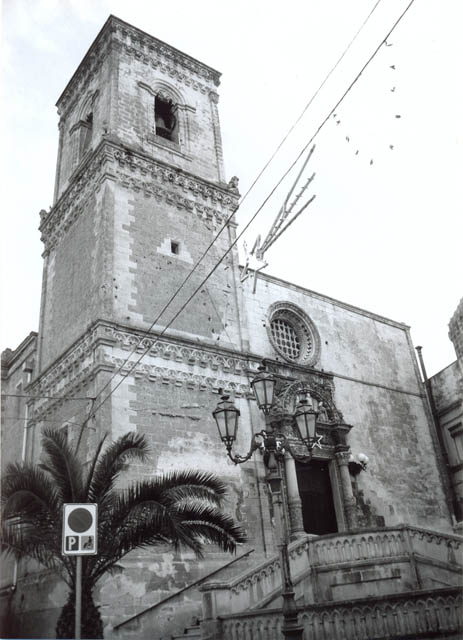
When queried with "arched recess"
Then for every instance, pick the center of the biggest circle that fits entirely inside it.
(82, 132)
(321, 393)
(165, 115)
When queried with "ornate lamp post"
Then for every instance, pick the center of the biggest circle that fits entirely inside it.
(273, 446)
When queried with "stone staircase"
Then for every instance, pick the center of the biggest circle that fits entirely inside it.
(189, 633)
(179, 610)
(395, 582)
(384, 583)
(407, 616)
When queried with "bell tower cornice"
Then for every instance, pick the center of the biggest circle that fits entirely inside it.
(119, 35)
(135, 171)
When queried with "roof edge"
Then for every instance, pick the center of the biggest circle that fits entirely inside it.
(10, 355)
(339, 303)
(112, 19)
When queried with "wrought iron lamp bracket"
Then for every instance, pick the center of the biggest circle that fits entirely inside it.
(269, 442)
(257, 442)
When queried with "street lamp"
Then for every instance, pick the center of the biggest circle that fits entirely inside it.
(273, 446)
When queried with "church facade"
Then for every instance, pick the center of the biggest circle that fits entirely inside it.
(141, 197)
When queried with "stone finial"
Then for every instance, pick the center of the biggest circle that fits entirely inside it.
(233, 184)
(456, 330)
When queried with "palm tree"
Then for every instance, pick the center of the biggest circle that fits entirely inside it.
(179, 508)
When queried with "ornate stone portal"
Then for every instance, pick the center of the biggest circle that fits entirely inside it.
(331, 448)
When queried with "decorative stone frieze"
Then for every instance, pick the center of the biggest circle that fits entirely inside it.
(176, 351)
(178, 378)
(143, 48)
(56, 376)
(170, 175)
(91, 354)
(137, 173)
(85, 73)
(55, 223)
(152, 51)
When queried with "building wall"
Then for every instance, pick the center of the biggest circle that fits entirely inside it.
(17, 370)
(133, 214)
(447, 390)
(378, 391)
(108, 238)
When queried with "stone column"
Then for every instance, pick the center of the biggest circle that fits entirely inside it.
(296, 526)
(349, 502)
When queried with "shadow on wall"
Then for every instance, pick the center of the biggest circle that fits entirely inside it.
(366, 512)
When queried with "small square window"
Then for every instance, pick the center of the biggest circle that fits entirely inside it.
(174, 247)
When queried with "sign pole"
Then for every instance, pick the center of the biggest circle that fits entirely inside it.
(78, 597)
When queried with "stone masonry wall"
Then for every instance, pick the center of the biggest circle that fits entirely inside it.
(74, 282)
(144, 71)
(170, 398)
(93, 95)
(17, 370)
(147, 273)
(377, 389)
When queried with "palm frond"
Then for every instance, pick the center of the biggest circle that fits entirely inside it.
(130, 446)
(180, 508)
(93, 464)
(211, 525)
(27, 490)
(147, 514)
(63, 465)
(181, 485)
(38, 539)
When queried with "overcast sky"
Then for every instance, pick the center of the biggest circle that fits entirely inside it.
(385, 230)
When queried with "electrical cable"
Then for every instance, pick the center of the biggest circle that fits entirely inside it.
(372, 56)
(19, 395)
(22, 419)
(227, 221)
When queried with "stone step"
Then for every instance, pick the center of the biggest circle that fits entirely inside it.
(189, 633)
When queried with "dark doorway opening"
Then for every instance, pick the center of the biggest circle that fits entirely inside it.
(318, 513)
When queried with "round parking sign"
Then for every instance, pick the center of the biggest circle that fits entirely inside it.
(80, 520)
(80, 529)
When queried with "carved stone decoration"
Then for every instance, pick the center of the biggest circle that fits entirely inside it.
(92, 354)
(320, 389)
(292, 334)
(190, 380)
(122, 37)
(140, 174)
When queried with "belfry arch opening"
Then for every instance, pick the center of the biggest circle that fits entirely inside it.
(165, 118)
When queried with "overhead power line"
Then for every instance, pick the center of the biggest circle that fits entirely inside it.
(33, 397)
(303, 150)
(64, 422)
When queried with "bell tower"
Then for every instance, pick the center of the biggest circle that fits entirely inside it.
(139, 195)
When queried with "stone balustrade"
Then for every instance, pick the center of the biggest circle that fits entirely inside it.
(412, 615)
(359, 546)
(345, 565)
